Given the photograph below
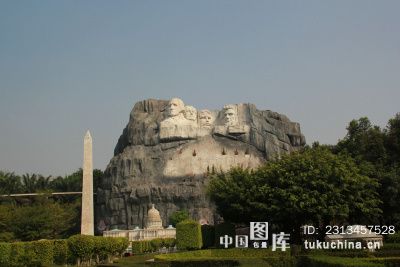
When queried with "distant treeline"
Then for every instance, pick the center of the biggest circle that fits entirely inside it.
(11, 183)
(30, 218)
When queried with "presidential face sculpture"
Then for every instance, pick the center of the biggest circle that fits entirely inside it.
(205, 118)
(175, 107)
(230, 115)
(190, 113)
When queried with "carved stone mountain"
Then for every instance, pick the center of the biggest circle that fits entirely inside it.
(167, 151)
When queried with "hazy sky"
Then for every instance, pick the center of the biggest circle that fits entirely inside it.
(69, 66)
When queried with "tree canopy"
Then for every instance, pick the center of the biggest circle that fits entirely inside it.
(39, 217)
(178, 216)
(314, 186)
(377, 153)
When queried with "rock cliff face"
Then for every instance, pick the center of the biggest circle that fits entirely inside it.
(167, 151)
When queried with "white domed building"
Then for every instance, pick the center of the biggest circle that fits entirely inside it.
(154, 229)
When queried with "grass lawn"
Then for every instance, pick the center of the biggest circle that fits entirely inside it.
(253, 258)
(209, 257)
(132, 261)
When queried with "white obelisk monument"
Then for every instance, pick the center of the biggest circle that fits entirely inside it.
(87, 222)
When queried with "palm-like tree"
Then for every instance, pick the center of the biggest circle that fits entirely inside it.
(10, 183)
(35, 183)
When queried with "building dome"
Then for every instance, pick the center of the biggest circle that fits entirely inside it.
(153, 218)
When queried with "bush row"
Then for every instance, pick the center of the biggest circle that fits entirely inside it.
(139, 247)
(35, 253)
(78, 249)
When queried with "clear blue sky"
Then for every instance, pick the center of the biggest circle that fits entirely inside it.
(69, 66)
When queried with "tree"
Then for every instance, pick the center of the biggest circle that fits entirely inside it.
(10, 183)
(45, 220)
(393, 138)
(73, 182)
(364, 142)
(377, 153)
(314, 186)
(178, 216)
(35, 183)
(390, 195)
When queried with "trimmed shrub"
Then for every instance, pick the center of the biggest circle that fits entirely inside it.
(17, 255)
(121, 244)
(81, 247)
(60, 252)
(223, 229)
(208, 235)
(30, 258)
(156, 244)
(169, 242)
(137, 247)
(38, 253)
(111, 247)
(101, 248)
(5, 253)
(146, 246)
(77, 249)
(188, 235)
(35, 253)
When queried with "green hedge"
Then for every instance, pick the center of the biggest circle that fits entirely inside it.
(102, 249)
(39, 253)
(17, 254)
(61, 253)
(5, 252)
(146, 246)
(223, 229)
(34, 253)
(188, 235)
(139, 247)
(156, 244)
(121, 244)
(81, 247)
(169, 242)
(208, 235)
(76, 249)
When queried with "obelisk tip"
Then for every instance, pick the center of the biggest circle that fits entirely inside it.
(87, 135)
